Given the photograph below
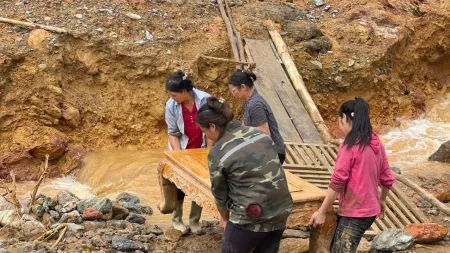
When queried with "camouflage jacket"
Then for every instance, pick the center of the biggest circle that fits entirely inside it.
(245, 171)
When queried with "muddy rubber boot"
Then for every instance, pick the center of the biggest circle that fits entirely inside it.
(177, 218)
(194, 218)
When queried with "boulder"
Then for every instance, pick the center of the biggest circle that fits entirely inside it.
(443, 195)
(302, 31)
(5, 205)
(135, 218)
(92, 214)
(154, 229)
(427, 232)
(69, 207)
(297, 245)
(172, 235)
(392, 240)
(103, 205)
(75, 228)
(364, 246)
(72, 159)
(55, 215)
(72, 217)
(117, 224)
(136, 208)
(127, 198)
(22, 163)
(38, 39)
(94, 225)
(32, 229)
(9, 218)
(119, 212)
(47, 220)
(71, 115)
(123, 244)
(50, 141)
(442, 154)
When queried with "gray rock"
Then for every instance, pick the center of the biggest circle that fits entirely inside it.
(303, 31)
(32, 229)
(69, 207)
(392, 240)
(104, 205)
(75, 228)
(89, 234)
(55, 215)
(73, 217)
(442, 154)
(66, 196)
(133, 16)
(321, 44)
(94, 225)
(79, 16)
(396, 170)
(141, 42)
(317, 64)
(108, 11)
(123, 244)
(327, 7)
(38, 210)
(155, 229)
(136, 208)
(338, 79)
(135, 218)
(148, 35)
(144, 238)
(318, 3)
(293, 233)
(58, 208)
(117, 224)
(433, 212)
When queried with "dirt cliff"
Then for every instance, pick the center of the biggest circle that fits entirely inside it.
(102, 85)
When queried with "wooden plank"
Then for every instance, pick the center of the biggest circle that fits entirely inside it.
(410, 207)
(296, 158)
(297, 112)
(405, 208)
(390, 203)
(304, 156)
(325, 153)
(396, 222)
(306, 166)
(331, 152)
(321, 157)
(375, 228)
(311, 172)
(270, 71)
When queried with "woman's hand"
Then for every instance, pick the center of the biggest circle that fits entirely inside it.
(223, 222)
(382, 208)
(317, 219)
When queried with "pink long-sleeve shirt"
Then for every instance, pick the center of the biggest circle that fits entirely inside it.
(356, 177)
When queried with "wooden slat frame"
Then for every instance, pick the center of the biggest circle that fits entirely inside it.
(316, 166)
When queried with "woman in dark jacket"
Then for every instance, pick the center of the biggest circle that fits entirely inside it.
(257, 112)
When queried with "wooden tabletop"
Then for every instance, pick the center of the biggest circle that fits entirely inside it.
(195, 162)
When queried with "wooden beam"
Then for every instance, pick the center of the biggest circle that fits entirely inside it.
(231, 36)
(225, 60)
(298, 83)
(34, 25)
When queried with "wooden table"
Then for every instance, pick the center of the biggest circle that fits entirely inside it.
(188, 170)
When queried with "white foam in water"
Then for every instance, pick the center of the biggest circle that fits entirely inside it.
(69, 183)
(415, 140)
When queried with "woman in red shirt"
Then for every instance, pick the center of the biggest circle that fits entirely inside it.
(180, 115)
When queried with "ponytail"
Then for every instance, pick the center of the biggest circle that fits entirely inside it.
(215, 111)
(358, 112)
(240, 77)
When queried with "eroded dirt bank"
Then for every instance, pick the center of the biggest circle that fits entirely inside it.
(101, 86)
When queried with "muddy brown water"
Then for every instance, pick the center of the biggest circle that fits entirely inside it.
(108, 173)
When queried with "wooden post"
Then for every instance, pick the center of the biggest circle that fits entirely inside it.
(240, 45)
(298, 83)
(33, 25)
(427, 196)
(231, 36)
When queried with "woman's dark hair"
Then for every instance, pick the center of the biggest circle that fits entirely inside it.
(358, 112)
(242, 77)
(215, 111)
(179, 81)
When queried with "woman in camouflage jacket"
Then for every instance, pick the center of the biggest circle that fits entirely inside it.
(247, 181)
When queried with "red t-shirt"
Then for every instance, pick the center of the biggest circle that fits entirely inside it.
(191, 129)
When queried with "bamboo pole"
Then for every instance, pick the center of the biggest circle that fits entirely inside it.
(298, 83)
(240, 45)
(231, 36)
(34, 25)
(225, 60)
(427, 196)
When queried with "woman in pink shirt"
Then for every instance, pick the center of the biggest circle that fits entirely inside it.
(361, 167)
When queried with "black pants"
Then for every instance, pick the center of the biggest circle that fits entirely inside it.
(282, 158)
(238, 240)
(349, 232)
